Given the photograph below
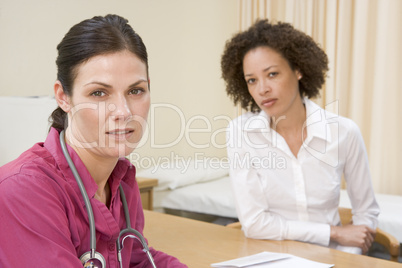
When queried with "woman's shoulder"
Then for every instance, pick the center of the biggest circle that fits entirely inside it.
(34, 162)
(33, 177)
(331, 118)
(345, 124)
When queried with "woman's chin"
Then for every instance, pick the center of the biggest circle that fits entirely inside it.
(117, 151)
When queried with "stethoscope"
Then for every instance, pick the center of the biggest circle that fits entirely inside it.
(92, 258)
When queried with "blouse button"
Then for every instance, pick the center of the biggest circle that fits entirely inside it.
(111, 246)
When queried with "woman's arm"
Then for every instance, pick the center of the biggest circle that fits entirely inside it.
(34, 229)
(365, 208)
(360, 190)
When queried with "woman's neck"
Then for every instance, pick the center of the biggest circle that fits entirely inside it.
(290, 122)
(100, 170)
(291, 127)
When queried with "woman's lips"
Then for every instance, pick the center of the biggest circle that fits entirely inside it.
(120, 134)
(268, 102)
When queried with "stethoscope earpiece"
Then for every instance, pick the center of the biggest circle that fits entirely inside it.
(97, 261)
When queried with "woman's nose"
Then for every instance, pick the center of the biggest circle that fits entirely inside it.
(120, 109)
(263, 87)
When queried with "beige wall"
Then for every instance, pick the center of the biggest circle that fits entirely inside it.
(184, 38)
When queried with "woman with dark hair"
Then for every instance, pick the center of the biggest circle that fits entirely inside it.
(287, 155)
(65, 202)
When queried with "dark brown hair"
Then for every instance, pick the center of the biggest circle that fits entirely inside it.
(89, 38)
(299, 49)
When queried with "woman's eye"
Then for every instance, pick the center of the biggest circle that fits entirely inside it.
(98, 93)
(136, 91)
(250, 81)
(273, 74)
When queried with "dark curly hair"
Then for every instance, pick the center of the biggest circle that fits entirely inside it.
(299, 49)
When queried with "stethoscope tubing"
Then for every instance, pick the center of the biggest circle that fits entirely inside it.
(131, 230)
(91, 218)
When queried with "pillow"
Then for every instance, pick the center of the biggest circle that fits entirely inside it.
(173, 175)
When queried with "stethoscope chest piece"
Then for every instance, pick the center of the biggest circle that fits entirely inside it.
(98, 261)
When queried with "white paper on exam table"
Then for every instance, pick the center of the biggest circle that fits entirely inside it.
(271, 260)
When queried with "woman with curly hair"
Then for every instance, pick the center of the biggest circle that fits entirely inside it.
(287, 155)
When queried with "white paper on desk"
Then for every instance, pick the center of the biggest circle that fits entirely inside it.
(262, 257)
(272, 260)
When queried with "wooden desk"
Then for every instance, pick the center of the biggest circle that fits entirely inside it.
(146, 186)
(198, 244)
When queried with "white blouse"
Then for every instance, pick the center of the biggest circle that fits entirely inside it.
(279, 196)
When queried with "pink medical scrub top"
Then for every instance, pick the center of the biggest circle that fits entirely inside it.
(43, 220)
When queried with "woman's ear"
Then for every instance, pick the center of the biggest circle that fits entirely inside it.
(299, 75)
(61, 97)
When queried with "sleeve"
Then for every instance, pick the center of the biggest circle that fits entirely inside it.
(34, 226)
(253, 210)
(365, 209)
